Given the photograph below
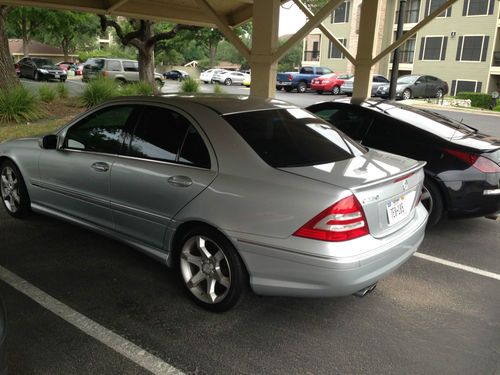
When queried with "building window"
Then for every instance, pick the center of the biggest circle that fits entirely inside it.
(341, 14)
(412, 11)
(334, 52)
(406, 51)
(465, 86)
(432, 5)
(433, 48)
(472, 48)
(478, 7)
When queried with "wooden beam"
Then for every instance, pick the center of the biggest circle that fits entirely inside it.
(115, 6)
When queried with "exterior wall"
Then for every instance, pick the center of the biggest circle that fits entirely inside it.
(452, 27)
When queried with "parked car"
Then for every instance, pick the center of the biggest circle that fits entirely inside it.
(230, 191)
(39, 68)
(462, 174)
(79, 70)
(229, 77)
(207, 75)
(177, 75)
(301, 80)
(329, 83)
(66, 65)
(377, 81)
(416, 86)
(121, 70)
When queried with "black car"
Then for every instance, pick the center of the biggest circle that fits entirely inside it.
(415, 86)
(176, 75)
(39, 69)
(463, 165)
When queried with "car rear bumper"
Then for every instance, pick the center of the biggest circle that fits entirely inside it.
(294, 272)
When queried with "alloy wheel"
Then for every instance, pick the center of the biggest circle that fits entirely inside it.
(9, 186)
(336, 90)
(406, 94)
(426, 199)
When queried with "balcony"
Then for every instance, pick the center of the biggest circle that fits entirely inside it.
(311, 55)
(495, 65)
(405, 56)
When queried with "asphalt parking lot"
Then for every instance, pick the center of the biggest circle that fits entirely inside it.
(80, 303)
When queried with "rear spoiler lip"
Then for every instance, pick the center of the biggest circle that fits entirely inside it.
(415, 168)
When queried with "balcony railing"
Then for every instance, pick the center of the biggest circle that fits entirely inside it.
(496, 58)
(405, 56)
(311, 55)
(410, 16)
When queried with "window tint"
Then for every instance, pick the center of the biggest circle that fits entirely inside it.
(130, 66)
(101, 131)
(353, 123)
(194, 151)
(114, 65)
(292, 138)
(41, 62)
(306, 70)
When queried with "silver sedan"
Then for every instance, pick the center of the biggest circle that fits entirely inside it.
(228, 191)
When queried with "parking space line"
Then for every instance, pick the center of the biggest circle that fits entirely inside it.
(459, 266)
(112, 340)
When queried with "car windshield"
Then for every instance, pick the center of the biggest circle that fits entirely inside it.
(293, 137)
(431, 122)
(407, 80)
(41, 62)
(99, 63)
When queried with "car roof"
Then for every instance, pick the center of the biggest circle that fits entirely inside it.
(222, 104)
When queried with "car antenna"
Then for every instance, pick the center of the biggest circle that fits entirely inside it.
(459, 127)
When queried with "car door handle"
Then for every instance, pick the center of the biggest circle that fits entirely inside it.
(180, 181)
(100, 166)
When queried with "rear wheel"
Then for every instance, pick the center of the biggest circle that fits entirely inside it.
(210, 269)
(120, 82)
(407, 94)
(13, 190)
(302, 87)
(439, 93)
(228, 82)
(433, 202)
(336, 90)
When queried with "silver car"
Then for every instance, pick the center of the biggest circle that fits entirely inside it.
(229, 191)
(377, 81)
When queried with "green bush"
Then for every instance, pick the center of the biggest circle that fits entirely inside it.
(46, 93)
(62, 90)
(477, 99)
(190, 85)
(99, 90)
(17, 104)
(218, 89)
(140, 88)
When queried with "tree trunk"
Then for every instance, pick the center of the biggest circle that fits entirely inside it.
(65, 47)
(212, 54)
(26, 40)
(8, 76)
(147, 64)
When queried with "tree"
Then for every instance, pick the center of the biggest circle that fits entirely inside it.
(7, 72)
(143, 36)
(26, 23)
(71, 30)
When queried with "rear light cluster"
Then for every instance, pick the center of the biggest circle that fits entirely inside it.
(485, 165)
(290, 78)
(344, 220)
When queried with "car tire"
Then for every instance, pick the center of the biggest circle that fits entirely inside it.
(439, 93)
(228, 81)
(279, 88)
(406, 94)
(433, 202)
(301, 87)
(288, 89)
(13, 190)
(210, 269)
(36, 75)
(62, 80)
(120, 82)
(336, 90)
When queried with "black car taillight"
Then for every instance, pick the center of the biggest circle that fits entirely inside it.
(485, 165)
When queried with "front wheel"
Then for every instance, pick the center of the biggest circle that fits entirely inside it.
(439, 93)
(336, 90)
(433, 202)
(228, 82)
(210, 269)
(302, 87)
(407, 94)
(13, 190)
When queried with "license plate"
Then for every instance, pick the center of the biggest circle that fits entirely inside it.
(56, 75)
(399, 208)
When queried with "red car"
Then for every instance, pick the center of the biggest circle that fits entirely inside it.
(329, 82)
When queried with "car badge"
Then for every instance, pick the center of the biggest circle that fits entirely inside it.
(405, 184)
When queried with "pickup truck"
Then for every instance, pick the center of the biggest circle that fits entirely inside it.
(300, 81)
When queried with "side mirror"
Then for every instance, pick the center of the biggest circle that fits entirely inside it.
(417, 83)
(49, 142)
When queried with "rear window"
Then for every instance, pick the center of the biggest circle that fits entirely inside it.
(293, 138)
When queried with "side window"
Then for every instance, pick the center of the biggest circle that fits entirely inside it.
(390, 135)
(101, 131)
(327, 71)
(130, 66)
(306, 70)
(319, 71)
(159, 134)
(353, 123)
(194, 151)
(114, 66)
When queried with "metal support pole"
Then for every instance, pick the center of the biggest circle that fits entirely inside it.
(395, 59)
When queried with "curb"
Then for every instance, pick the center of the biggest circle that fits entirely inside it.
(417, 103)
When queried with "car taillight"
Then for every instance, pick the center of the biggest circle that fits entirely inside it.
(290, 77)
(343, 221)
(104, 73)
(485, 165)
(326, 81)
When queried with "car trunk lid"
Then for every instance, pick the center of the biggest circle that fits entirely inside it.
(387, 186)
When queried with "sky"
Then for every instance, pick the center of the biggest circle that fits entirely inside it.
(291, 19)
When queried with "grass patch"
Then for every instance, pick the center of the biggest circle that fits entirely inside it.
(218, 89)
(99, 90)
(18, 105)
(46, 93)
(31, 130)
(137, 88)
(62, 90)
(190, 85)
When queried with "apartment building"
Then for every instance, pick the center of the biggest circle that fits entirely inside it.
(461, 46)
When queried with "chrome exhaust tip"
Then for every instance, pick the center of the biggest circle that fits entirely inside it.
(363, 292)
